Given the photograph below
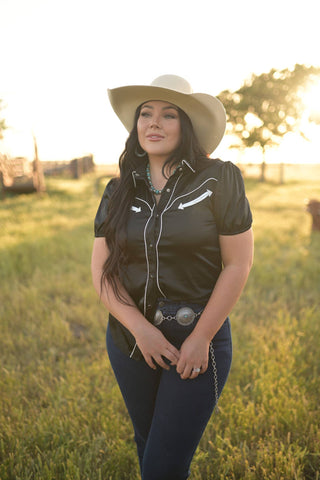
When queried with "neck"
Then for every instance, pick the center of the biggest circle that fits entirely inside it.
(157, 161)
(156, 165)
(157, 180)
(155, 176)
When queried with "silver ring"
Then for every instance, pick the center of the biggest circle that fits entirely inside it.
(196, 370)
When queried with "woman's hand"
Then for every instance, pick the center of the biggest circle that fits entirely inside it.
(154, 346)
(236, 253)
(152, 343)
(194, 353)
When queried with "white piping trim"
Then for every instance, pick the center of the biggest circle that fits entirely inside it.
(147, 261)
(157, 257)
(186, 163)
(196, 200)
(192, 191)
(141, 200)
(133, 350)
(160, 232)
(133, 174)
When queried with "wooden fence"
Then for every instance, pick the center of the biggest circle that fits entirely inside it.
(74, 168)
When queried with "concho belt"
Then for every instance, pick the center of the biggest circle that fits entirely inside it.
(184, 316)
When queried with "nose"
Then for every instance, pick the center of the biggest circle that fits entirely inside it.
(155, 121)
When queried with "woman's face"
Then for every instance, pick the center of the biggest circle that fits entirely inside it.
(159, 129)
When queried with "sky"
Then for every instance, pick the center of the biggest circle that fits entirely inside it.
(59, 57)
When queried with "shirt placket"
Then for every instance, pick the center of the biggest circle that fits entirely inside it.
(153, 236)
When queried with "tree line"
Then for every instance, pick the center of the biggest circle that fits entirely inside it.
(265, 107)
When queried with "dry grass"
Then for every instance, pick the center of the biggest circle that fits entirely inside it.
(61, 414)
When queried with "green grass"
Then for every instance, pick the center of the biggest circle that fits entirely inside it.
(61, 414)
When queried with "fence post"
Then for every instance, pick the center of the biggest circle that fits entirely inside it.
(38, 177)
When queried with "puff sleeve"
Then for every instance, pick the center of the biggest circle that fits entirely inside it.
(103, 207)
(231, 207)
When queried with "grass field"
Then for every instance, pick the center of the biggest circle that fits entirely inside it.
(61, 414)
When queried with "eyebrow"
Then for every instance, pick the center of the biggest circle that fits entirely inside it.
(164, 108)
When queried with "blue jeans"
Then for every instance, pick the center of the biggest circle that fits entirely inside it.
(169, 414)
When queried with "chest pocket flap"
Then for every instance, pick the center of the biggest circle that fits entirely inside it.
(196, 200)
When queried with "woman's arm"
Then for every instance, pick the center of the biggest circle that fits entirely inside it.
(237, 257)
(150, 340)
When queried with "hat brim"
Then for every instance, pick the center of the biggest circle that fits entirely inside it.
(207, 114)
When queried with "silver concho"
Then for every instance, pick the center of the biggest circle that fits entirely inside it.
(158, 318)
(185, 316)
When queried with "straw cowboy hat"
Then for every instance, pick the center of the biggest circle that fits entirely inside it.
(206, 113)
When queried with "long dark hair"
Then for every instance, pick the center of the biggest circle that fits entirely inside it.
(114, 228)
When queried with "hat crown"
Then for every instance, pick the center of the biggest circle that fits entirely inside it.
(173, 82)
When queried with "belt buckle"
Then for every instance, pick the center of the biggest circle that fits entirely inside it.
(185, 316)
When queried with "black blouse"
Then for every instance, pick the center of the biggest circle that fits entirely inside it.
(173, 247)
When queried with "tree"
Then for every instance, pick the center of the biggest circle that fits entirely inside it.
(268, 106)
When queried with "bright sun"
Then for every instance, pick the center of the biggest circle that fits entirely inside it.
(311, 99)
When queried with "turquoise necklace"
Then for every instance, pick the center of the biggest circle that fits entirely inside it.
(155, 190)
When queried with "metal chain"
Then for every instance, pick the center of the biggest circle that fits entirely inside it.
(173, 317)
(213, 361)
(168, 317)
(215, 376)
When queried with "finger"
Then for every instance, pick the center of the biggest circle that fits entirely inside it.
(173, 351)
(204, 368)
(172, 357)
(180, 367)
(161, 362)
(149, 361)
(195, 373)
(186, 373)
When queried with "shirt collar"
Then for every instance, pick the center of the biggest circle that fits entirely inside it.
(139, 173)
(185, 163)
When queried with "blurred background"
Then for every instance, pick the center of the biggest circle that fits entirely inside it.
(61, 413)
(59, 57)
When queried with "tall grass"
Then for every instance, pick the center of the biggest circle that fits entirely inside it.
(61, 414)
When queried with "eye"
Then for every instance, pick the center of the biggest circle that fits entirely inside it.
(170, 116)
(145, 113)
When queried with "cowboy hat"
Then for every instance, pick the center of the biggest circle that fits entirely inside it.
(206, 112)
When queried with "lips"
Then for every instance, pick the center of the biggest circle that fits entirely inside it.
(155, 138)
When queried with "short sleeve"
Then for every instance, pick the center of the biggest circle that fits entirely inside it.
(101, 214)
(231, 206)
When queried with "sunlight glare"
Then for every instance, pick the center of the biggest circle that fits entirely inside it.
(311, 99)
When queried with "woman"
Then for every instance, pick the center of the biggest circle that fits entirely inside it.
(163, 231)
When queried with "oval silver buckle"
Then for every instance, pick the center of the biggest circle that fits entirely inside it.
(185, 316)
(158, 318)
